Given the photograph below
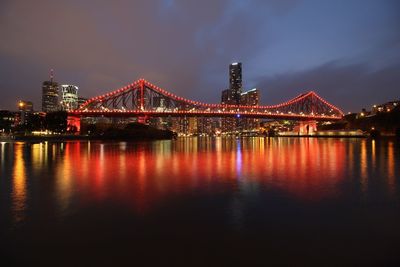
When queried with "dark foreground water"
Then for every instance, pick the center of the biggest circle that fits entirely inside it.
(201, 202)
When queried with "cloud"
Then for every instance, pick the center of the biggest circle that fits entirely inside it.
(350, 87)
(185, 45)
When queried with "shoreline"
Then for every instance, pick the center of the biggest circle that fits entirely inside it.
(62, 138)
(127, 139)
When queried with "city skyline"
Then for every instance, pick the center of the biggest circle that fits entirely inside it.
(359, 70)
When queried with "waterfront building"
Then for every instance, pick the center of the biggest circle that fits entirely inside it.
(7, 120)
(25, 109)
(50, 95)
(250, 98)
(69, 97)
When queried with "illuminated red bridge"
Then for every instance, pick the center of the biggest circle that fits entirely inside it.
(143, 99)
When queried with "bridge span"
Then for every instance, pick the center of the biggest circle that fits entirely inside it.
(144, 99)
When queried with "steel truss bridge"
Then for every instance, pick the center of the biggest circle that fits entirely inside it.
(144, 99)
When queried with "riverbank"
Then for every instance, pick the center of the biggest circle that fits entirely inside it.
(62, 138)
(132, 132)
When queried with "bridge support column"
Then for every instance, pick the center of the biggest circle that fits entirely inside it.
(74, 124)
(143, 120)
(307, 127)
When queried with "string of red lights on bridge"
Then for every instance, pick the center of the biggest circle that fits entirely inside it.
(142, 98)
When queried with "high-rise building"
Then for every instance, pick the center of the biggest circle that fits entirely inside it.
(250, 98)
(69, 97)
(235, 81)
(232, 96)
(50, 95)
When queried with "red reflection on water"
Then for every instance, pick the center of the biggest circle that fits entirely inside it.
(143, 174)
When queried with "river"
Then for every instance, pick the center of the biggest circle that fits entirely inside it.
(201, 202)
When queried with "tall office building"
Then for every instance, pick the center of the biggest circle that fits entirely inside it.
(250, 98)
(232, 96)
(69, 97)
(235, 81)
(50, 95)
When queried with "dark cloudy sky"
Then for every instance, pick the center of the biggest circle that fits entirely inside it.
(347, 51)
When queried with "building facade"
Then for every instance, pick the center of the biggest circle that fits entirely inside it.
(232, 96)
(250, 98)
(235, 82)
(7, 120)
(69, 97)
(25, 109)
(50, 95)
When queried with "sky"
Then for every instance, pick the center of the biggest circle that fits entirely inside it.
(348, 51)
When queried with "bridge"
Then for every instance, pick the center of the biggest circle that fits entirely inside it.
(143, 99)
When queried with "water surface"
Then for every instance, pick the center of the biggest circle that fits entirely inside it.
(201, 201)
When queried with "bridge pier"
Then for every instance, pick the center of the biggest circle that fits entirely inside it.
(74, 122)
(307, 127)
(143, 119)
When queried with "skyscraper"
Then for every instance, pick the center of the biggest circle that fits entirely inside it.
(250, 98)
(232, 96)
(69, 97)
(235, 81)
(50, 95)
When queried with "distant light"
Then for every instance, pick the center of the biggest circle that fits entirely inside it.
(237, 115)
(234, 64)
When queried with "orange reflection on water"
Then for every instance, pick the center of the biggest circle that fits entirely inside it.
(64, 176)
(391, 168)
(373, 154)
(2, 155)
(142, 174)
(364, 166)
(19, 193)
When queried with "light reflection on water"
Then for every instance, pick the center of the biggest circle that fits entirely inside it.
(143, 174)
(19, 191)
(289, 197)
(391, 168)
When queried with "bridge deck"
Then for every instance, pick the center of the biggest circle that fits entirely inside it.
(225, 114)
